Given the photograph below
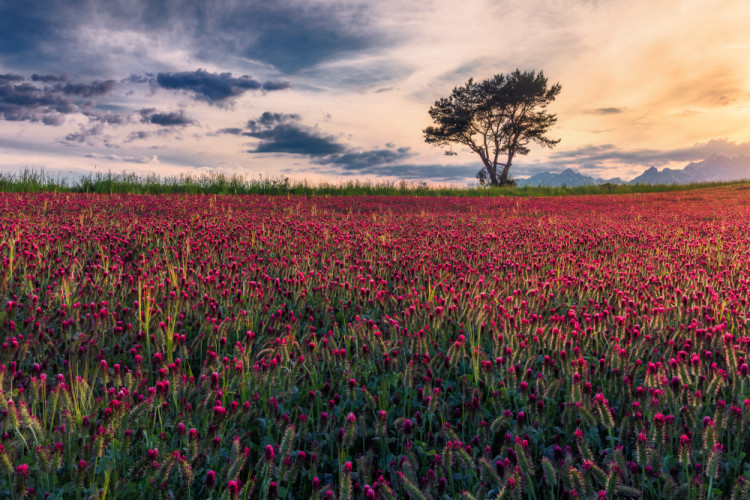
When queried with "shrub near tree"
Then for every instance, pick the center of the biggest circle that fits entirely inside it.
(497, 119)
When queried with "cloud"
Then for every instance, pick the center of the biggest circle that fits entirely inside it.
(276, 85)
(85, 133)
(282, 133)
(214, 88)
(9, 77)
(294, 36)
(366, 159)
(140, 135)
(48, 78)
(289, 35)
(171, 119)
(22, 100)
(27, 102)
(107, 117)
(95, 88)
(231, 131)
(145, 78)
(128, 159)
(363, 72)
(466, 70)
(269, 119)
(294, 139)
(606, 111)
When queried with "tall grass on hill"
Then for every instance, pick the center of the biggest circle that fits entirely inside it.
(33, 180)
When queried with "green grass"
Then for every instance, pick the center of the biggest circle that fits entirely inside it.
(32, 181)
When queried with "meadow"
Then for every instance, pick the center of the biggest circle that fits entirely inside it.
(370, 347)
(31, 180)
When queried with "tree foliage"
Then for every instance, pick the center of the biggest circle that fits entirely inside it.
(497, 118)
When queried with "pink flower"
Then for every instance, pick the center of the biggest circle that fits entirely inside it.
(234, 488)
(408, 426)
(268, 453)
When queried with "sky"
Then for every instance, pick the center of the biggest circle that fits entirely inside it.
(328, 90)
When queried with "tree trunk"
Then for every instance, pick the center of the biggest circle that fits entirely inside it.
(491, 171)
(506, 169)
(504, 174)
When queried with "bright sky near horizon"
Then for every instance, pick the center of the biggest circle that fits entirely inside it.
(330, 90)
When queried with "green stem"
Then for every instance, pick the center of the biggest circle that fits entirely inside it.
(531, 485)
(687, 479)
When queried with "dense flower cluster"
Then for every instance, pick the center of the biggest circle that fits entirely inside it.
(290, 347)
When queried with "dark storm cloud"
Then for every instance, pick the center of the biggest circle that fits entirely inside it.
(171, 119)
(9, 77)
(366, 159)
(282, 133)
(275, 85)
(269, 119)
(22, 100)
(213, 87)
(288, 34)
(292, 36)
(27, 102)
(93, 89)
(294, 139)
(26, 30)
(48, 78)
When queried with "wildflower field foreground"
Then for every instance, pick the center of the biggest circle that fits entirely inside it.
(188, 346)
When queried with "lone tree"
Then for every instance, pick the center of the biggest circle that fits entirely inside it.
(497, 119)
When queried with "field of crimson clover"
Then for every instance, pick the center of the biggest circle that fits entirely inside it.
(377, 348)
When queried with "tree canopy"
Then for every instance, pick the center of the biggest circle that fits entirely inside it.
(497, 118)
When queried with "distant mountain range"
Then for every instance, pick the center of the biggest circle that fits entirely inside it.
(567, 177)
(714, 169)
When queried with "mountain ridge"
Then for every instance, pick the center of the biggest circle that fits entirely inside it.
(715, 168)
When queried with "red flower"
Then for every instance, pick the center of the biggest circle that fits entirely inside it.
(408, 426)
(268, 453)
